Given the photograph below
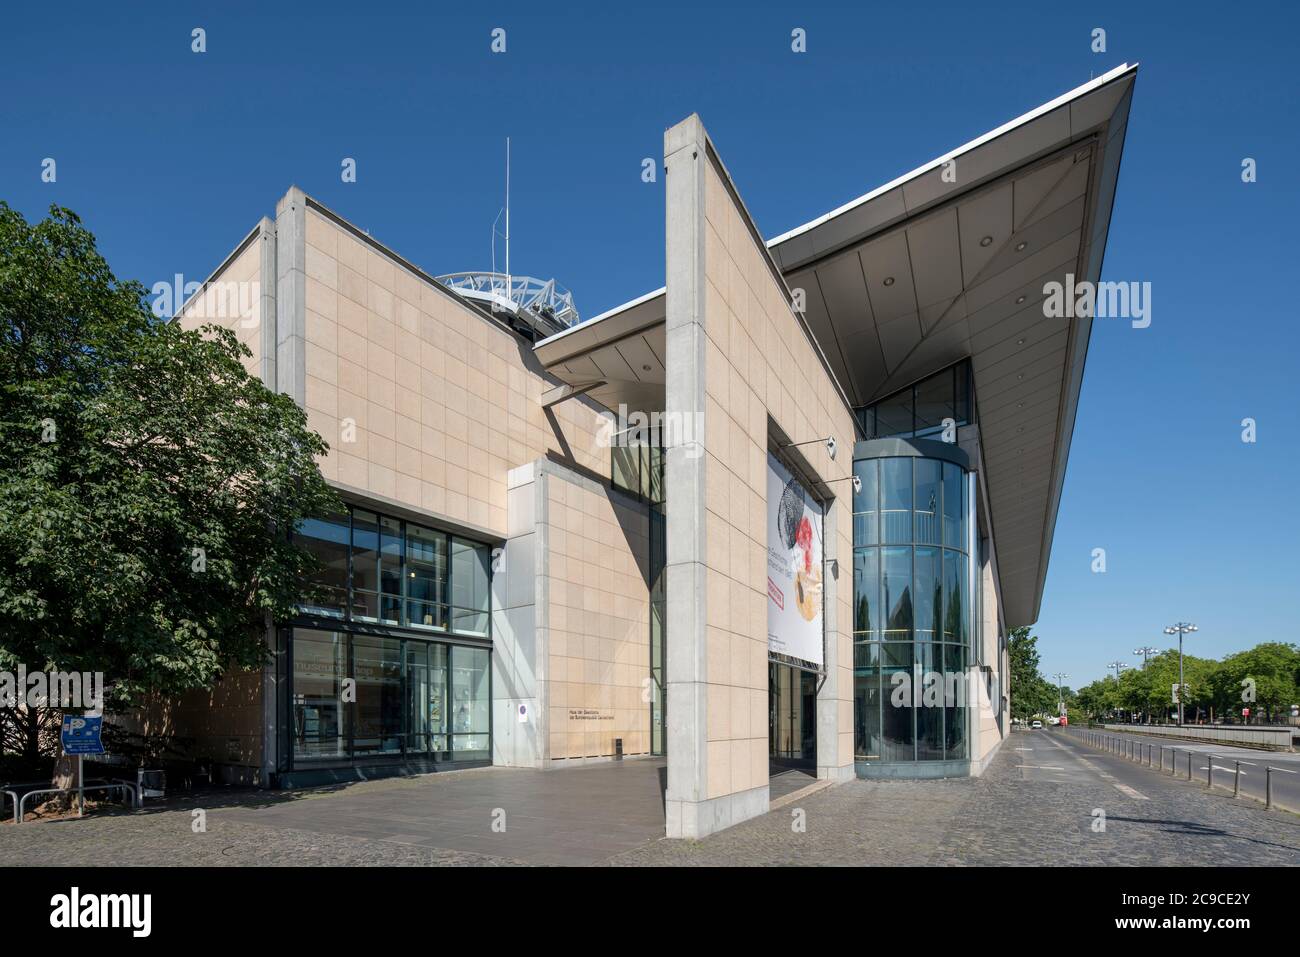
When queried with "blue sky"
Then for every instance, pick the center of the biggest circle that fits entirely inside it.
(171, 157)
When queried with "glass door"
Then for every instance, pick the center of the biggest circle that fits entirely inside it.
(792, 717)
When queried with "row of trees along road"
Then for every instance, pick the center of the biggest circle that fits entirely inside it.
(1265, 679)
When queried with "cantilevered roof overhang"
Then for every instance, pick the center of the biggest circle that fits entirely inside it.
(946, 262)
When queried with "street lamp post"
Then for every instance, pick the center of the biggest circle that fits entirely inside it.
(1181, 628)
(1146, 651)
(1060, 694)
(1118, 666)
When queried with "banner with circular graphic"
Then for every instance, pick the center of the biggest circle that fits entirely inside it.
(794, 568)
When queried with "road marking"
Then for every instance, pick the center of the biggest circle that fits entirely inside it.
(1024, 749)
(1039, 767)
(1136, 795)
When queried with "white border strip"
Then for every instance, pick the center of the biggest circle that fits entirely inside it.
(1033, 114)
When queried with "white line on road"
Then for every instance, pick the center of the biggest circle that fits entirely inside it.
(1039, 767)
(1136, 795)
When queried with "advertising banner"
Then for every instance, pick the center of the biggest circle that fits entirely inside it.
(794, 568)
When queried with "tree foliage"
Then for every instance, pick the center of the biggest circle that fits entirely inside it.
(1265, 679)
(148, 482)
(1031, 693)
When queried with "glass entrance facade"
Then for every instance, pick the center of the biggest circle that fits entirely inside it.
(912, 616)
(389, 660)
(408, 699)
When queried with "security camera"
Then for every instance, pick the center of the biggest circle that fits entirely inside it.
(857, 485)
(830, 447)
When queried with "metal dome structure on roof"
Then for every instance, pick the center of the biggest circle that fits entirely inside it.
(536, 307)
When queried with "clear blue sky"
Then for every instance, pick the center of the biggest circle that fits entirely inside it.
(171, 157)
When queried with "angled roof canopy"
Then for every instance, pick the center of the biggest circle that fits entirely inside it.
(946, 262)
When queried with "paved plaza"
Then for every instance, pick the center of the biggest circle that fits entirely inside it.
(1037, 804)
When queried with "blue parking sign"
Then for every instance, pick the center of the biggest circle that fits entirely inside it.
(80, 734)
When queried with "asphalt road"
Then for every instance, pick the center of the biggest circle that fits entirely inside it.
(1144, 751)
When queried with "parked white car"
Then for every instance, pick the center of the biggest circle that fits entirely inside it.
(1037, 725)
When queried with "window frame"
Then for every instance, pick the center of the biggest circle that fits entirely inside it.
(350, 620)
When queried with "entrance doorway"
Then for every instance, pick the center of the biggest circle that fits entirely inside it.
(792, 718)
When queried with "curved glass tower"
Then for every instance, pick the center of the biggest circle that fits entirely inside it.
(913, 534)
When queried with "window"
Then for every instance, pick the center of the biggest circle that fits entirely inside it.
(402, 574)
(896, 500)
(866, 502)
(470, 700)
(912, 610)
(376, 567)
(413, 699)
(954, 506)
(866, 592)
(929, 594)
(928, 490)
(936, 400)
(426, 578)
(327, 539)
(378, 671)
(637, 464)
(919, 410)
(470, 596)
(897, 576)
(320, 665)
(894, 415)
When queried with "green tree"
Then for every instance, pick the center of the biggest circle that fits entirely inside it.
(1097, 699)
(1030, 692)
(1265, 679)
(148, 482)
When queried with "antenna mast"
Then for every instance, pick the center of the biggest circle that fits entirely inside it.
(540, 308)
(509, 284)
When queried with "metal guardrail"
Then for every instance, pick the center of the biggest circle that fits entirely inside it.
(1262, 736)
(1133, 751)
(130, 790)
(14, 795)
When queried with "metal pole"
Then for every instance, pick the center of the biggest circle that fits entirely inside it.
(1180, 676)
(81, 787)
(1209, 772)
(1268, 787)
(1236, 781)
(1189, 765)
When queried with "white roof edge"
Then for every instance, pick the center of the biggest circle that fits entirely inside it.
(978, 141)
(630, 304)
(867, 197)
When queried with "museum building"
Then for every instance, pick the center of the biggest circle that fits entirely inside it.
(780, 513)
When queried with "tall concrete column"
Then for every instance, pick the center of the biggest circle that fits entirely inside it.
(519, 625)
(835, 696)
(291, 295)
(687, 659)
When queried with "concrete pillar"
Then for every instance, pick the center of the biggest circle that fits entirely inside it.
(687, 660)
(291, 295)
(519, 601)
(267, 279)
(835, 697)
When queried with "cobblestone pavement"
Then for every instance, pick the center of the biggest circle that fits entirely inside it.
(1034, 806)
(164, 837)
